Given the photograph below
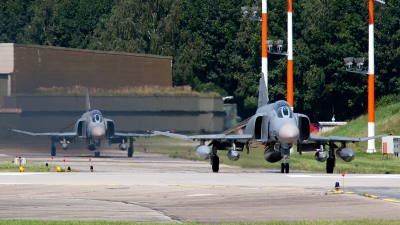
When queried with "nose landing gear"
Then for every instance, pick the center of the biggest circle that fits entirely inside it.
(285, 153)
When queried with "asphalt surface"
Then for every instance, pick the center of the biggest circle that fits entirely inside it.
(156, 188)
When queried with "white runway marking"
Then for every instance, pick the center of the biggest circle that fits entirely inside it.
(348, 176)
(199, 195)
(18, 174)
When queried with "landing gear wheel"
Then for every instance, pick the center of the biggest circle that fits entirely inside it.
(130, 151)
(53, 151)
(282, 167)
(287, 168)
(96, 154)
(330, 163)
(215, 163)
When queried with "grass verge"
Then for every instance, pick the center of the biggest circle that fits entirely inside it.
(34, 167)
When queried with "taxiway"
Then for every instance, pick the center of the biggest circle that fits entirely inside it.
(156, 188)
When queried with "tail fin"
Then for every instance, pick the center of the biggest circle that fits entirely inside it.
(87, 101)
(262, 92)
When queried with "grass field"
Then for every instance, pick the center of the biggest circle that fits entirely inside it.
(304, 222)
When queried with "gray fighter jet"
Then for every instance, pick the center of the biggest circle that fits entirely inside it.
(93, 128)
(277, 128)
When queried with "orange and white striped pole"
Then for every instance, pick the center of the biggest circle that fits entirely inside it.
(371, 82)
(264, 34)
(289, 87)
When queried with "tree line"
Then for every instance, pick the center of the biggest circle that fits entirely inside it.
(215, 49)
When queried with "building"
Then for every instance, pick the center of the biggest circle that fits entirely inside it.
(24, 68)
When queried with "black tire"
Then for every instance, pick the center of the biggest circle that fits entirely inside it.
(215, 165)
(282, 167)
(96, 154)
(330, 163)
(130, 151)
(287, 168)
(53, 151)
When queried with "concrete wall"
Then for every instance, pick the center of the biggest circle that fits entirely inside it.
(32, 66)
(6, 58)
(3, 87)
(182, 114)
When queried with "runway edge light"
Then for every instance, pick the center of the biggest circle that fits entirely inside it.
(337, 186)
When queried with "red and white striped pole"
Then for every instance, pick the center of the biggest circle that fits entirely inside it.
(371, 82)
(289, 86)
(264, 34)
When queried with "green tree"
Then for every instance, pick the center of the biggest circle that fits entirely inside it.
(63, 23)
(12, 19)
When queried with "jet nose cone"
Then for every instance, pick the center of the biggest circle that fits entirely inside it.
(289, 134)
(98, 133)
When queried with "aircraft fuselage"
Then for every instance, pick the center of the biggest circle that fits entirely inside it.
(95, 129)
(273, 123)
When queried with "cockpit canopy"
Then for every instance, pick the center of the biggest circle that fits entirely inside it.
(283, 109)
(96, 116)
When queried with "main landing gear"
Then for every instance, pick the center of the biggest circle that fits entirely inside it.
(130, 149)
(214, 160)
(285, 167)
(53, 148)
(97, 154)
(330, 162)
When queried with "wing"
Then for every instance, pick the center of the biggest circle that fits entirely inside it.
(56, 136)
(49, 134)
(220, 137)
(117, 135)
(123, 137)
(341, 139)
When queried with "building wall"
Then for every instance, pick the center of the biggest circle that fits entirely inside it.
(42, 66)
(3, 87)
(6, 58)
(182, 114)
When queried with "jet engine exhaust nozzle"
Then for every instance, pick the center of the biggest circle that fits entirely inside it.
(203, 151)
(289, 134)
(98, 133)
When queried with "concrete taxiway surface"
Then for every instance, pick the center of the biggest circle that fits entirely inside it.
(152, 187)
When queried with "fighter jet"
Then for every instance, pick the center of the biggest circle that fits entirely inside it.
(277, 129)
(93, 128)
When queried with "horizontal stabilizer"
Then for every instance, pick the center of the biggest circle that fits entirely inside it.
(237, 126)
